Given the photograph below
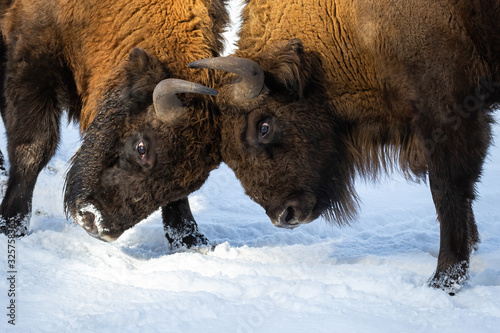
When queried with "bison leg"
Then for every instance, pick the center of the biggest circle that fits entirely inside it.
(458, 232)
(180, 227)
(32, 124)
(453, 192)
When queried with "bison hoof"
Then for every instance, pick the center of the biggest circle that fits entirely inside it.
(451, 280)
(194, 241)
(181, 240)
(13, 227)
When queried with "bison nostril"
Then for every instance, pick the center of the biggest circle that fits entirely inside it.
(88, 217)
(88, 220)
(288, 215)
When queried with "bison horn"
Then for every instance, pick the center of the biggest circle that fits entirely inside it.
(165, 101)
(252, 75)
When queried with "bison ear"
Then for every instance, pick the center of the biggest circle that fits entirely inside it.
(142, 73)
(286, 65)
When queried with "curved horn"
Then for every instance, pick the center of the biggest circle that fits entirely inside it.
(165, 101)
(252, 75)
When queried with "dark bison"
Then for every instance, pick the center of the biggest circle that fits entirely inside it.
(340, 88)
(108, 63)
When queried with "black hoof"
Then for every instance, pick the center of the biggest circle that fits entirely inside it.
(451, 280)
(181, 240)
(13, 227)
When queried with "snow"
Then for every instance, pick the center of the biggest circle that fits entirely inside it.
(368, 277)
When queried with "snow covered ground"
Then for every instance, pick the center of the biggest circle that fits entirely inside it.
(368, 277)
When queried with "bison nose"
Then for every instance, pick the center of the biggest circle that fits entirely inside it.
(90, 219)
(298, 210)
(288, 218)
(88, 223)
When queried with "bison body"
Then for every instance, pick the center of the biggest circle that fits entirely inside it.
(101, 60)
(357, 87)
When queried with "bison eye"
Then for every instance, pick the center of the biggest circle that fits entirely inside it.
(141, 149)
(264, 129)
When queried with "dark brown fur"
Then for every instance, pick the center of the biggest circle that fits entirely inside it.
(101, 60)
(361, 87)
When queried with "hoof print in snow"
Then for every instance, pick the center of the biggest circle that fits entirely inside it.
(52, 170)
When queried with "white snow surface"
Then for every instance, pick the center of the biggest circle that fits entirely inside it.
(368, 277)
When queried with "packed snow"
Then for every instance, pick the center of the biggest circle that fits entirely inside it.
(368, 277)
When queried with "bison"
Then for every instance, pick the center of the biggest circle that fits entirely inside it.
(334, 89)
(111, 65)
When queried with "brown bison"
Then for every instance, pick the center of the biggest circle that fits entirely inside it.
(108, 63)
(341, 88)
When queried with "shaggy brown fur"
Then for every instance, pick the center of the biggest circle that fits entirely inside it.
(354, 86)
(101, 60)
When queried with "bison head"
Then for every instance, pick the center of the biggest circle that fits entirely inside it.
(281, 136)
(143, 150)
